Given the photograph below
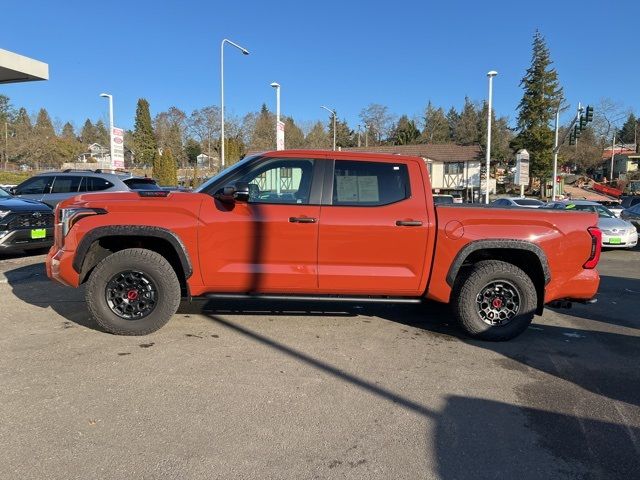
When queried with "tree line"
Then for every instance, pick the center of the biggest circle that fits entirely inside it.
(174, 137)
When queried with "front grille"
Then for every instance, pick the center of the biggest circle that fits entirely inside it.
(612, 233)
(21, 221)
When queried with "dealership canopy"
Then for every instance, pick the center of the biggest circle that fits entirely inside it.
(16, 68)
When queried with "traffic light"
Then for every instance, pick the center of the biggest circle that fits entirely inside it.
(583, 122)
(589, 114)
(577, 132)
(572, 140)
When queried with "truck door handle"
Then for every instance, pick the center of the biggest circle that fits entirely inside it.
(408, 223)
(302, 220)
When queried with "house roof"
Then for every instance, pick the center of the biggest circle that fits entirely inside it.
(446, 152)
(606, 153)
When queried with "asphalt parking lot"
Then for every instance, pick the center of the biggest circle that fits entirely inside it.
(255, 390)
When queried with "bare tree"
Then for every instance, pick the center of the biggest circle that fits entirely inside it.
(608, 115)
(204, 126)
(378, 120)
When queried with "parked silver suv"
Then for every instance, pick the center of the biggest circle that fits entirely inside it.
(53, 187)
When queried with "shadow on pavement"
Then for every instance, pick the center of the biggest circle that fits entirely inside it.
(478, 438)
(618, 303)
(601, 362)
(31, 285)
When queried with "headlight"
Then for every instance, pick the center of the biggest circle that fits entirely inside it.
(69, 216)
(4, 213)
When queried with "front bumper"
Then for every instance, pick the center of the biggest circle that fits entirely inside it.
(616, 240)
(19, 240)
(59, 267)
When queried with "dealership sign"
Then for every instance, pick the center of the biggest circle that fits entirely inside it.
(522, 168)
(117, 148)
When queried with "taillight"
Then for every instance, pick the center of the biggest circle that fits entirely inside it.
(596, 247)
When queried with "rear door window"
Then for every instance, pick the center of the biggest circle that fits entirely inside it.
(369, 183)
(96, 184)
(66, 184)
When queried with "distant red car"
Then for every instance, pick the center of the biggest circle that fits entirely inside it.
(318, 225)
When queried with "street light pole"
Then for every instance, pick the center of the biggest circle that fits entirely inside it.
(244, 52)
(277, 87)
(110, 97)
(332, 112)
(490, 74)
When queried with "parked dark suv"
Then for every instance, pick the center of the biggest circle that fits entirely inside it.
(53, 187)
(24, 224)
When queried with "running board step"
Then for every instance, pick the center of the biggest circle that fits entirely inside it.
(312, 298)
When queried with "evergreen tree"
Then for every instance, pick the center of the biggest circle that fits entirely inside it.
(317, 137)
(628, 132)
(436, 127)
(452, 120)
(67, 132)
(23, 122)
(165, 170)
(88, 133)
(294, 137)
(541, 99)
(102, 134)
(192, 150)
(263, 134)
(466, 130)
(144, 141)
(44, 126)
(405, 132)
(344, 135)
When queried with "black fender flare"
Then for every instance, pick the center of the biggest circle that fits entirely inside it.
(136, 231)
(509, 244)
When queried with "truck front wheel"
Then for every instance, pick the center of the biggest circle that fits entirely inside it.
(133, 292)
(494, 300)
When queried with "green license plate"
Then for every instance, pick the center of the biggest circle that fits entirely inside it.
(39, 233)
(614, 240)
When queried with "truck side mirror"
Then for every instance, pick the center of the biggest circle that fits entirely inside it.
(238, 192)
(241, 192)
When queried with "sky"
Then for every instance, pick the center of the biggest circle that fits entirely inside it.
(342, 54)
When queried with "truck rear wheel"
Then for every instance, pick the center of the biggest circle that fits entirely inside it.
(133, 292)
(494, 300)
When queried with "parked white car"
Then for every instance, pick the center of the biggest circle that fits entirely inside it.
(616, 233)
(522, 202)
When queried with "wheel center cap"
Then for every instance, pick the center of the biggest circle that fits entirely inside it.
(497, 303)
(132, 294)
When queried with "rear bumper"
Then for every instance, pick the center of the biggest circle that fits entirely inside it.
(59, 267)
(19, 240)
(579, 288)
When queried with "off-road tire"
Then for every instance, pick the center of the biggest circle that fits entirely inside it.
(472, 282)
(152, 265)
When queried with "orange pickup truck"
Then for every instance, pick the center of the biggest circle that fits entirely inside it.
(317, 225)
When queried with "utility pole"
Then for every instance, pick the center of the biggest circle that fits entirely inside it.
(6, 145)
(555, 158)
(613, 153)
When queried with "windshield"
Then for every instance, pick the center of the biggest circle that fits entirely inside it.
(4, 193)
(535, 203)
(141, 184)
(599, 209)
(205, 186)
